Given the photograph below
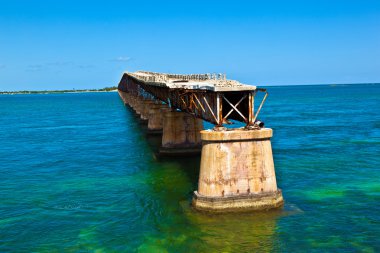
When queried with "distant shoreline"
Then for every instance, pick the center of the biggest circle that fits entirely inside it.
(114, 89)
(107, 89)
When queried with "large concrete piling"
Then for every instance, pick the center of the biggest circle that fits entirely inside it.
(132, 101)
(155, 118)
(126, 98)
(138, 105)
(237, 172)
(146, 104)
(123, 96)
(181, 134)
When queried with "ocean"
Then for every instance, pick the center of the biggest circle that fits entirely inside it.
(79, 174)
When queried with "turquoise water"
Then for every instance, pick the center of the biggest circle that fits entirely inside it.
(79, 174)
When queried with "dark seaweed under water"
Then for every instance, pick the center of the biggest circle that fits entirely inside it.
(79, 174)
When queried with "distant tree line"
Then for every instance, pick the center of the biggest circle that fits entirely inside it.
(111, 88)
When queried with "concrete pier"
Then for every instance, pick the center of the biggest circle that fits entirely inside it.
(132, 101)
(146, 104)
(126, 99)
(155, 118)
(237, 172)
(138, 105)
(181, 134)
(123, 95)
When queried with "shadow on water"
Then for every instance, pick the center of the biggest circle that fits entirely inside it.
(232, 232)
(189, 164)
(154, 142)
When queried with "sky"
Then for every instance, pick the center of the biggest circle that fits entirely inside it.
(47, 45)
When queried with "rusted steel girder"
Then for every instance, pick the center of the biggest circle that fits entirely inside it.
(215, 107)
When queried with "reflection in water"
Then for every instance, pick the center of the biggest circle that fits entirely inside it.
(236, 232)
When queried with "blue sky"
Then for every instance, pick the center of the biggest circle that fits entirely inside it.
(88, 44)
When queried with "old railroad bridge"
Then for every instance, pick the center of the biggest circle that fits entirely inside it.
(237, 170)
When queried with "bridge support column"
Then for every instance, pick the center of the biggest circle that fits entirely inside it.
(138, 105)
(124, 96)
(181, 134)
(237, 172)
(155, 118)
(129, 98)
(145, 106)
(133, 102)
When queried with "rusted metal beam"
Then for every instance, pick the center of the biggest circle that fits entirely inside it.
(234, 108)
(202, 103)
(261, 104)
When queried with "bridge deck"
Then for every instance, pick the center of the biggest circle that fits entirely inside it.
(210, 97)
(191, 82)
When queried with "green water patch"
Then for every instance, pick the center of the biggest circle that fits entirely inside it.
(340, 191)
(371, 188)
(193, 231)
(324, 193)
(87, 240)
(327, 243)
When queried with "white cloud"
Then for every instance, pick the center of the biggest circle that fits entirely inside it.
(122, 59)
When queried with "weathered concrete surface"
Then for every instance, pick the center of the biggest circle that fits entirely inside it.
(133, 102)
(237, 172)
(181, 134)
(138, 105)
(238, 203)
(155, 118)
(146, 105)
(127, 98)
(212, 82)
(124, 96)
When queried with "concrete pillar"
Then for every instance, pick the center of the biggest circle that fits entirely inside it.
(146, 105)
(181, 134)
(128, 98)
(138, 105)
(123, 96)
(155, 118)
(237, 172)
(132, 101)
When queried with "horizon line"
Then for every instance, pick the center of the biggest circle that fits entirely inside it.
(265, 85)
